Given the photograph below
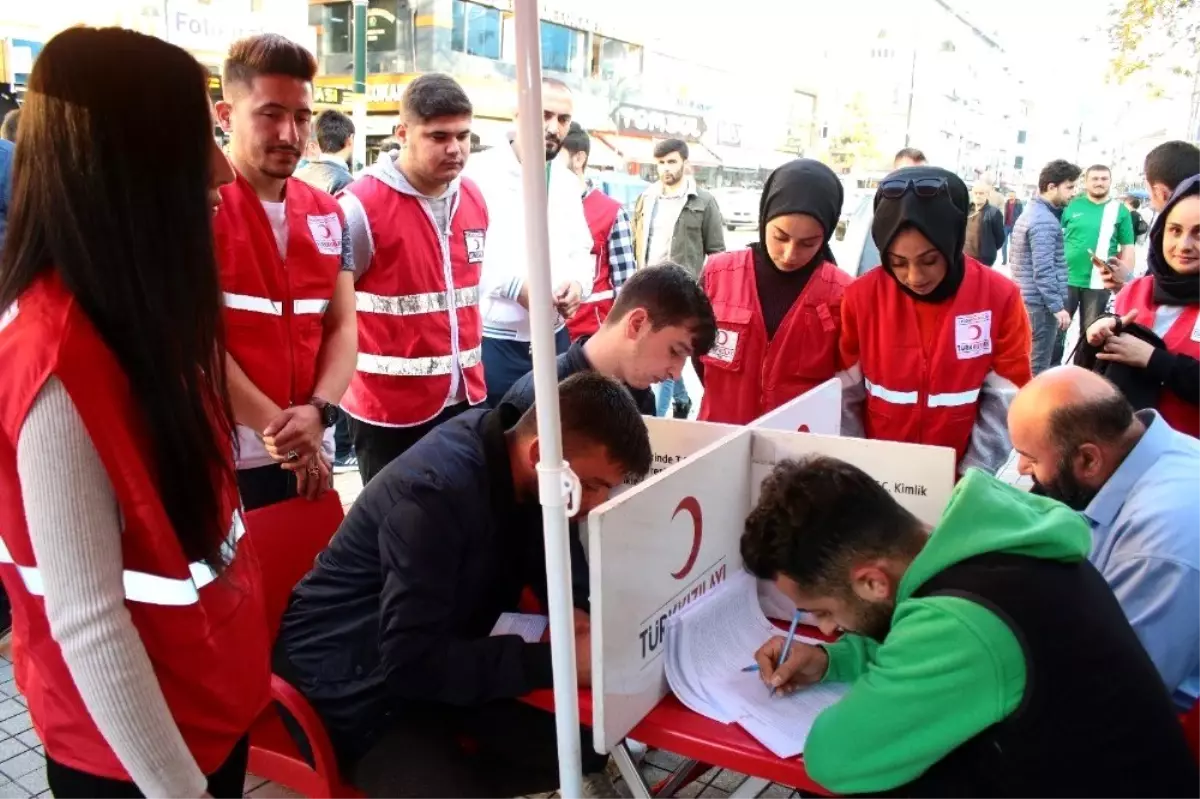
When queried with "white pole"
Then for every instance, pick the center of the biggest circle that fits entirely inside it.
(555, 479)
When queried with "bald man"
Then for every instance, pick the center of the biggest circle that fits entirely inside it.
(1134, 479)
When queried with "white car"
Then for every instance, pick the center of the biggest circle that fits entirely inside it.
(852, 244)
(739, 206)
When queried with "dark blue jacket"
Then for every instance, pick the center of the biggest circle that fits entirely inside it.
(571, 362)
(399, 607)
(6, 157)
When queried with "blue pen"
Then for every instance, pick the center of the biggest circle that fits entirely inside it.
(787, 645)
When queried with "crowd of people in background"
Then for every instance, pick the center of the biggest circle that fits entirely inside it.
(220, 333)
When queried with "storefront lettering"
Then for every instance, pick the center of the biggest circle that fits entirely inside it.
(648, 121)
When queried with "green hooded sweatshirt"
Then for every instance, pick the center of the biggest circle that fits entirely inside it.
(949, 668)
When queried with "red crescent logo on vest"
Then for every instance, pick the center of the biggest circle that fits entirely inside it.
(976, 332)
(692, 506)
(326, 233)
(722, 338)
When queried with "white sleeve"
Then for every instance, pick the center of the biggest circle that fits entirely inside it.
(362, 245)
(854, 393)
(75, 528)
(570, 238)
(990, 446)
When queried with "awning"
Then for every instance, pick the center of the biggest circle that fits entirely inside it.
(749, 157)
(602, 156)
(641, 151)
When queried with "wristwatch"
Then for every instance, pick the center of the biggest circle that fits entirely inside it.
(327, 410)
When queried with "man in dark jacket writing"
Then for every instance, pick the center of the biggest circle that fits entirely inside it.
(388, 635)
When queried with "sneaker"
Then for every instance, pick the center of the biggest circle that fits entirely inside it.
(682, 409)
(599, 785)
(346, 464)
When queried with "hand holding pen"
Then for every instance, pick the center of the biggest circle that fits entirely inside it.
(787, 665)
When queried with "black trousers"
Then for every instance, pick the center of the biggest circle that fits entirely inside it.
(265, 485)
(343, 444)
(503, 748)
(224, 783)
(505, 362)
(377, 446)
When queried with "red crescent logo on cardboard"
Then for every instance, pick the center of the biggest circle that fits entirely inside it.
(803, 429)
(692, 506)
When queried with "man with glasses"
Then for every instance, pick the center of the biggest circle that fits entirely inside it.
(1039, 263)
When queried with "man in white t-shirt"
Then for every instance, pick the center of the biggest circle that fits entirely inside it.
(503, 290)
(286, 276)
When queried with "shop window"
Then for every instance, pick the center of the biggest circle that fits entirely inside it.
(336, 25)
(613, 59)
(562, 48)
(389, 29)
(476, 30)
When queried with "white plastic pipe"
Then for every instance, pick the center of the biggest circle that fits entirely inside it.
(556, 483)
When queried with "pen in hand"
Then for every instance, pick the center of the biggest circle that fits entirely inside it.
(787, 645)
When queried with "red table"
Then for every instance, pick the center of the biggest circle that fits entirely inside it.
(674, 728)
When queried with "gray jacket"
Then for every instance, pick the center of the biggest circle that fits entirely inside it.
(1037, 258)
(699, 231)
(328, 173)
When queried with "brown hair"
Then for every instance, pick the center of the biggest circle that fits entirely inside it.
(266, 54)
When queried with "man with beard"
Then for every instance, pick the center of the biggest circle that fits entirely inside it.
(287, 276)
(503, 287)
(986, 657)
(1134, 480)
(1095, 223)
(675, 220)
(418, 231)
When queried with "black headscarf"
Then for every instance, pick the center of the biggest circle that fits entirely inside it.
(1170, 287)
(941, 219)
(803, 186)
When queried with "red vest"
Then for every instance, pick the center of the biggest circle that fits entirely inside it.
(418, 306)
(601, 212)
(746, 376)
(274, 308)
(914, 398)
(1183, 338)
(206, 638)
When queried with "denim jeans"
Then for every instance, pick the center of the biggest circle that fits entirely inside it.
(1048, 340)
(671, 391)
(1004, 244)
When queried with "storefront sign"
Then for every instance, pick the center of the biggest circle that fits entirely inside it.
(328, 95)
(194, 26)
(729, 133)
(381, 30)
(636, 120)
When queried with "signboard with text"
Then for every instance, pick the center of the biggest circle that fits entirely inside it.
(637, 120)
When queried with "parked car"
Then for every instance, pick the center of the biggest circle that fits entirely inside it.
(852, 244)
(739, 205)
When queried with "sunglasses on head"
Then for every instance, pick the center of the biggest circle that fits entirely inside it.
(926, 188)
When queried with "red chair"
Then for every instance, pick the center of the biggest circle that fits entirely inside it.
(285, 539)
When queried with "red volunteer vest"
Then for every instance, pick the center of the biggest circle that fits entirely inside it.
(917, 399)
(746, 376)
(206, 637)
(418, 306)
(1182, 338)
(601, 212)
(274, 308)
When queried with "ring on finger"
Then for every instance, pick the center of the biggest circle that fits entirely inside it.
(293, 455)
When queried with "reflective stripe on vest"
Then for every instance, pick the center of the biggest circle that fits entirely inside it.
(417, 367)
(953, 400)
(412, 304)
(599, 296)
(150, 589)
(948, 400)
(888, 395)
(265, 305)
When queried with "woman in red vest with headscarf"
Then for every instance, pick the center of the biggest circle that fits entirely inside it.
(938, 343)
(139, 637)
(777, 302)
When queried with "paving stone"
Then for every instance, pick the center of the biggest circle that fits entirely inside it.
(10, 708)
(10, 790)
(17, 724)
(271, 790)
(653, 774)
(29, 738)
(725, 779)
(35, 781)
(664, 759)
(11, 747)
(777, 790)
(22, 764)
(8, 688)
(251, 782)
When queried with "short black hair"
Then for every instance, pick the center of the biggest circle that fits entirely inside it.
(672, 298)
(1097, 168)
(266, 54)
(1057, 172)
(912, 154)
(1134, 201)
(668, 146)
(1171, 163)
(1098, 421)
(8, 128)
(597, 410)
(577, 140)
(390, 144)
(334, 130)
(816, 516)
(434, 95)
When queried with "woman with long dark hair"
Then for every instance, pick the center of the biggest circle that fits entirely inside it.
(140, 642)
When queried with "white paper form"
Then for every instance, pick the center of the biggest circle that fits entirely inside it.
(780, 722)
(529, 626)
